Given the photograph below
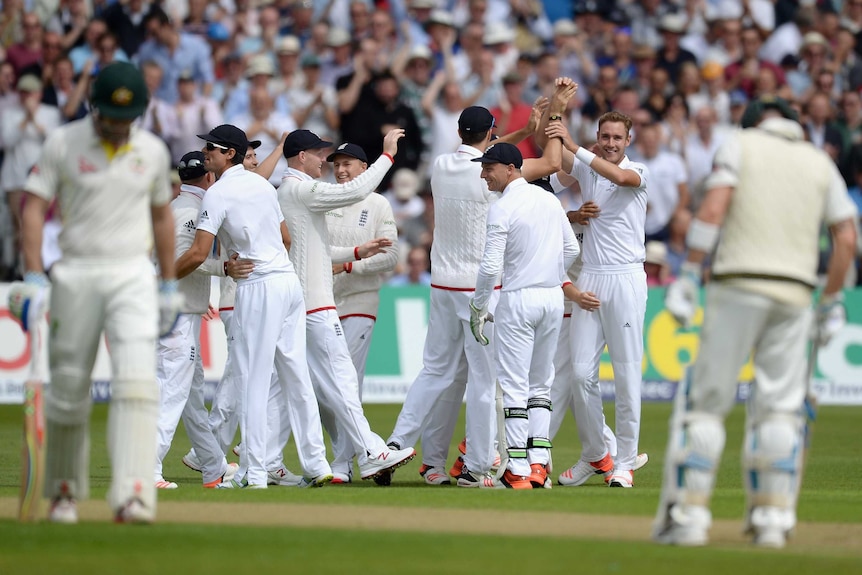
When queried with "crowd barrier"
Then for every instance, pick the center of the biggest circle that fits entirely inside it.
(399, 336)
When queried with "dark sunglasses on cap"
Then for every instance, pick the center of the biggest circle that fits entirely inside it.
(210, 147)
(193, 163)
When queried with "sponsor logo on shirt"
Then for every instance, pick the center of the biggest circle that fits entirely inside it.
(204, 215)
(190, 226)
(85, 167)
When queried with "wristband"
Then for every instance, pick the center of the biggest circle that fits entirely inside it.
(585, 155)
(566, 283)
(356, 253)
(225, 268)
(348, 267)
(554, 117)
(391, 159)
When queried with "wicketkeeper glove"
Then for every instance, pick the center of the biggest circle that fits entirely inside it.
(681, 298)
(28, 300)
(478, 317)
(170, 302)
(831, 317)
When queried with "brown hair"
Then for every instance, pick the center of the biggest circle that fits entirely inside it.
(614, 116)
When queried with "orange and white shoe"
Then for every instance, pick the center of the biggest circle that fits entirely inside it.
(229, 474)
(641, 460)
(457, 467)
(539, 476)
(580, 472)
(512, 481)
(621, 478)
(434, 475)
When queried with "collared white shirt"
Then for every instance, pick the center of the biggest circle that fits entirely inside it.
(529, 240)
(667, 171)
(616, 237)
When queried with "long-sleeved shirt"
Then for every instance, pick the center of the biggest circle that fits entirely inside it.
(529, 240)
(196, 286)
(356, 292)
(304, 202)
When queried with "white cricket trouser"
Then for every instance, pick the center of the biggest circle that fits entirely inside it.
(269, 329)
(224, 411)
(528, 327)
(441, 382)
(178, 368)
(87, 297)
(618, 323)
(563, 390)
(358, 330)
(337, 391)
(277, 425)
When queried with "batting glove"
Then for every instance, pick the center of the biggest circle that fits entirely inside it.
(28, 300)
(681, 298)
(170, 302)
(831, 317)
(478, 317)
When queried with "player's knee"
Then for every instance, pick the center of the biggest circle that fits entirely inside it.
(773, 443)
(68, 399)
(135, 389)
(581, 374)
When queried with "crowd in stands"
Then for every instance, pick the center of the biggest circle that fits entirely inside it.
(349, 70)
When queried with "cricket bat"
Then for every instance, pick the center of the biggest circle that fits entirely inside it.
(501, 433)
(33, 452)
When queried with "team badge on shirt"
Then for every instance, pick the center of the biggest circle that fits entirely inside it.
(85, 167)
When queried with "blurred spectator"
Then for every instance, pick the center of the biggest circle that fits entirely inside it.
(712, 93)
(11, 28)
(645, 17)
(418, 269)
(644, 58)
(297, 18)
(64, 93)
(125, 18)
(469, 47)
(738, 102)
(661, 92)
(728, 48)
(89, 50)
(742, 73)
(850, 120)
(602, 93)
(288, 73)
(656, 264)
(314, 105)
(499, 41)
(360, 19)
(814, 55)
(265, 42)
(847, 60)
(415, 79)
(481, 81)
(855, 187)
(69, 22)
(177, 53)
(787, 38)
(619, 56)
(260, 73)
(821, 131)
(28, 51)
(402, 196)
(513, 113)
(159, 116)
(443, 113)
(546, 71)
(196, 20)
(671, 55)
(340, 61)
(668, 182)
(51, 52)
(232, 79)
(263, 122)
(575, 57)
(698, 149)
(195, 114)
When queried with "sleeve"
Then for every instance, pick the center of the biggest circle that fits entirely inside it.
(384, 228)
(643, 172)
(212, 213)
(45, 177)
(579, 170)
(183, 232)
(323, 196)
(726, 164)
(492, 259)
(571, 247)
(161, 192)
(839, 204)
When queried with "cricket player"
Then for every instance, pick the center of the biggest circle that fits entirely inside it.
(356, 285)
(268, 322)
(768, 195)
(612, 274)
(452, 359)
(112, 185)
(304, 202)
(179, 369)
(530, 242)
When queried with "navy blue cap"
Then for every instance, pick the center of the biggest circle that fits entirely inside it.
(475, 119)
(348, 149)
(229, 136)
(501, 153)
(191, 166)
(300, 140)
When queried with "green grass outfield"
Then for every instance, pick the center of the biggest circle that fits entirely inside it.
(832, 494)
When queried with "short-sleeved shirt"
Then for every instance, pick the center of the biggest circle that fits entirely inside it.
(191, 56)
(104, 201)
(616, 237)
(244, 206)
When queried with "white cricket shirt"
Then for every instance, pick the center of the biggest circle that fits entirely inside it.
(245, 207)
(616, 237)
(529, 240)
(196, 286)
(104, 203)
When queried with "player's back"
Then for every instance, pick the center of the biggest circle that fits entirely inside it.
(461, 200)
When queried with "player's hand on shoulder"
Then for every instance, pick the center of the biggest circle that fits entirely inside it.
(239, 269)
(390, 141)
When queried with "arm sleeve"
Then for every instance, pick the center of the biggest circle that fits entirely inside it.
(839, 205)
(212, 213)
(385, 228)
(571, 248)
(492, 258)
(44, 178)
(726, 164)
(341, 255)
(185, 237)
(323, 196)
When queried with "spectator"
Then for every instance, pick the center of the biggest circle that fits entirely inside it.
(513, 113)
(619, 55)
(819, 126)
(195, 114)
(712, 93)
(814, 55)
(847, 60)
(668, 182)
(263, 122)
(260, 73)
(671, 56)
(232, 80)
(417, 272)
(575, 58)
(360, 20)
(738, 101)
(499, 40)
(547, 70)
(159, 116)
(89, 50)
(287, 65)
(339, 63)
(69, 22)
(28, 51)
(481, 80)
(656, 265)
(10, 23)
(850, 119)
(645, 17)
(469, 48)
(51, 52)
(415, 80)
(196, 21)
(787, 38)
(698, 150)
(729, 47)
(645, 59)
(64, 93)
(742, 73)
(402, 196)
(126, 20)
(266, 41)
(314, 105)
(176, 53)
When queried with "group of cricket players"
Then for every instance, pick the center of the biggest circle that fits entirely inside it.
(524, 299)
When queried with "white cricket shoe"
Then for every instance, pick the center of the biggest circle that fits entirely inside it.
(684, 525)
(162, 484)
(580, 472)
(469, 479)
(283, 477)
(386, 461)
(434, 475)
(621, 478)
(63, 510)
(770, 526)
(341, 478)
(192, 461)
(641, 460)
(318, 481)
(134, 511)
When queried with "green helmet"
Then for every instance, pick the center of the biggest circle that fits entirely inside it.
(754, 110)
(119, 92)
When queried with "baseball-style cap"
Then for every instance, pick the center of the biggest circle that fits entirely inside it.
(475, 119)
(254, 144)
(501, 153)
(119, 91)
(754, 110)
(348, 149)
(229, 136)
(191, 166)
(300, 140)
